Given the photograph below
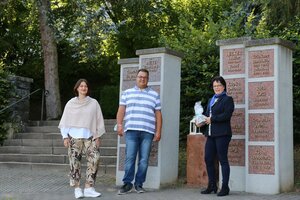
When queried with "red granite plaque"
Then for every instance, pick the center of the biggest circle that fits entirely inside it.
(261, 95)
(261, 160)
(121, 158)
(153, 160)
(261, 127)
(153, 65)
(238, 121)
(236, 152)
(236, 89)
(261, 63)
(129, 77)
(156, 88)
(233, 61)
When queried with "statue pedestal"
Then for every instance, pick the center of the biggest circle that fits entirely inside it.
(196, 168)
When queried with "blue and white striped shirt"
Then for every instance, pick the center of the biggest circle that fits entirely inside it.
(140, 109)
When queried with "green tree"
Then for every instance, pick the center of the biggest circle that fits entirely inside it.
(5, 94)
(84, 43)
(49, 46)
(195, 35)
(137, 24)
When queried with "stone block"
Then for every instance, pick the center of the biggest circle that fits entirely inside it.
(236, 89)
(233, 61)
(261, 160)
(196, 167)
(236, 152)
(261, 63)
(238, 121)
(261, 95)
(261, 127)
(153, 65)
(129, 77)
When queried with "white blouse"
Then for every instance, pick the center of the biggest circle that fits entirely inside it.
(76, 132)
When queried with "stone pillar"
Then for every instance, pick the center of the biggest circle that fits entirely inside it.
(196, 173)
(232, 68)
(259, 77)
(269, 120)
(129, 68)
(164, 66)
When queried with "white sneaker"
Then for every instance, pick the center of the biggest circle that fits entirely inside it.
(90, 192)
(78, 193)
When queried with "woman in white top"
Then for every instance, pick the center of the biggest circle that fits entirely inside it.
(81, 127)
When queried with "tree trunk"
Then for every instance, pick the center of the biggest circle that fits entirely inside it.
(53, 104)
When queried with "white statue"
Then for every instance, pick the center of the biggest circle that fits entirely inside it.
(199, 117)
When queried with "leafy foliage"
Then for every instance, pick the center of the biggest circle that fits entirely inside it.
(137, 24)
(5, 94)
(195, 36)
(108, 97)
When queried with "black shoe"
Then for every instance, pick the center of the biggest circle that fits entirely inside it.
(212, 187)
(139, 189)
(126, 188)
(224, 191)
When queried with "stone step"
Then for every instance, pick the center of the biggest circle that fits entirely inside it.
(43, 123)
(42, 129)
(47, 158)
(41, 146)
(50, 142)
(104, 151)
(52, 126)
(102, 169)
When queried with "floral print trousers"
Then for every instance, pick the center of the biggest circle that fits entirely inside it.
(75, 151)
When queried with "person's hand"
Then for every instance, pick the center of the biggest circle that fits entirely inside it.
(208, 120)
(120, 130)
(157, 137)
(200, 124)
(67, 142)
(98, 142)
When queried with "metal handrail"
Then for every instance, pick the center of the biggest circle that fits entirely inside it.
(2, 110)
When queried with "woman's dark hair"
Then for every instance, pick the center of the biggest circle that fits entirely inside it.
(219, 79)
(78, 84)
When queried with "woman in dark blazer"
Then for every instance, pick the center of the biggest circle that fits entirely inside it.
(217, 129)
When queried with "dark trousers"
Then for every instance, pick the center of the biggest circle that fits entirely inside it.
(217, 146)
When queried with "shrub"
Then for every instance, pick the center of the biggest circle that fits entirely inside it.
(108, 97)
(5, 91)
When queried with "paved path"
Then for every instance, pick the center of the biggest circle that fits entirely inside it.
(38, 184)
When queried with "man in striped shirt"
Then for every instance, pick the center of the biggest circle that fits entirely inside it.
(140, 109)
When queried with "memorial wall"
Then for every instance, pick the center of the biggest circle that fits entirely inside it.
(259, 78)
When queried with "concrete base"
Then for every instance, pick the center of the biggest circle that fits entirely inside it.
(196, 168)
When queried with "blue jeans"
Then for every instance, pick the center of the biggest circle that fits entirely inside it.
(137, 142)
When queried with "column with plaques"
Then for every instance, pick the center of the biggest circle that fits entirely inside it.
(269, 120)
(128, 71)
(164, 66)
(232, 68)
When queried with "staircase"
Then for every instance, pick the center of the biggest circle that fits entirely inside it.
(41, 145)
